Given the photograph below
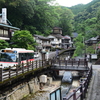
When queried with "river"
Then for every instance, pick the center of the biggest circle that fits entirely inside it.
(44, 94)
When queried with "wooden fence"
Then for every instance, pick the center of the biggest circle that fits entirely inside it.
(83, 88)
(22, 69)
(31, 66)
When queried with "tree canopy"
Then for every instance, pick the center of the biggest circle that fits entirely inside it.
(3, 44)
(38, 16)
(65, 20)
(23, 39)
(80, 46)
(86, 20)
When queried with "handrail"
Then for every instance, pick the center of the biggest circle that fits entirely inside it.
(22, 69)
(29, 66)
(83, 88)
(70, 62)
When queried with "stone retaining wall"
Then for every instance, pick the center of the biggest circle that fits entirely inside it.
(23, 90)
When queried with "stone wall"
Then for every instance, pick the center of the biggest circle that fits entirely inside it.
(23, 90)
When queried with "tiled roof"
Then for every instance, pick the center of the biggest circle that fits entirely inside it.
(8, 26)
(57, 28)
(41, 37)
(74, 35)
(59, 36)
(91, 39)
(66, 37)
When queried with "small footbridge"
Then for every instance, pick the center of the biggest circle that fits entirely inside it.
(70, 64)
(35, 66)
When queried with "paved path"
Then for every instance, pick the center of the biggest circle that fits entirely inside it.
(94, 88)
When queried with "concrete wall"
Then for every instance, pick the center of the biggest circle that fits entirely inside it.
(23, 90)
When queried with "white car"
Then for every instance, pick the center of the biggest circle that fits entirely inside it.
(36, 54)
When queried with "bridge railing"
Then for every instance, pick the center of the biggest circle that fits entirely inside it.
(70, 62)
(14, 71)
(80, 92)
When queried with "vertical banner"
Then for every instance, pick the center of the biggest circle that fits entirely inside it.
(4, 15)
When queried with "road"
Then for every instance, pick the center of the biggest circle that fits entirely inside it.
(94, 88)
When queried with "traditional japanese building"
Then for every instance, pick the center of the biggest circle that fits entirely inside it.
(43, 43)
(66, 42)
(56, 37)
(6, 29)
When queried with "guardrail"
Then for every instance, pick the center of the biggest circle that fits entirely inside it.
(83, 88)
(14, 71)
(70, 62)
(34, 65)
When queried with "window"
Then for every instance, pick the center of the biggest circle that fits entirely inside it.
(5, 33)
(8, 57)
(26, 56)
(56, 31)
(53, 44)
(52, 39)
(1, 32)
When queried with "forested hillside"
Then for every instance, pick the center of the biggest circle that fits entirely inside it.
(86, 20)
(77, 8)
(39, 17)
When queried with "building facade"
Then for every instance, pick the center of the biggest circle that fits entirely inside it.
(43, 43)
(56, 37)
(66, 42)
(6, 29)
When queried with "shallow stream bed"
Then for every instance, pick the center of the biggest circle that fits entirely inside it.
(46, 90)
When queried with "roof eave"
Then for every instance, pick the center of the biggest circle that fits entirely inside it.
(8, 26)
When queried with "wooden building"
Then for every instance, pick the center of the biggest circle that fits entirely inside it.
(6, 29)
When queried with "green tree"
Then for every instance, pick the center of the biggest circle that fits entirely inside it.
(65, 20)
(90, 50)
(85, 21)
(23, 39)
(98, 22)
(38, 16)
(18, 10)
(3, 44)
(44, 17)
(79, 44)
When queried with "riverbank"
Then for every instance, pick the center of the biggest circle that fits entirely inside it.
(44, 93)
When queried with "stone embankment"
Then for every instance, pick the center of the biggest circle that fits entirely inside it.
(21, 90)
(44, 93)
(32, 90)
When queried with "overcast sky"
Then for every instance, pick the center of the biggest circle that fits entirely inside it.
(69, 3)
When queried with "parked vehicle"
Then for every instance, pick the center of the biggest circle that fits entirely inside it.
(15, 56)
